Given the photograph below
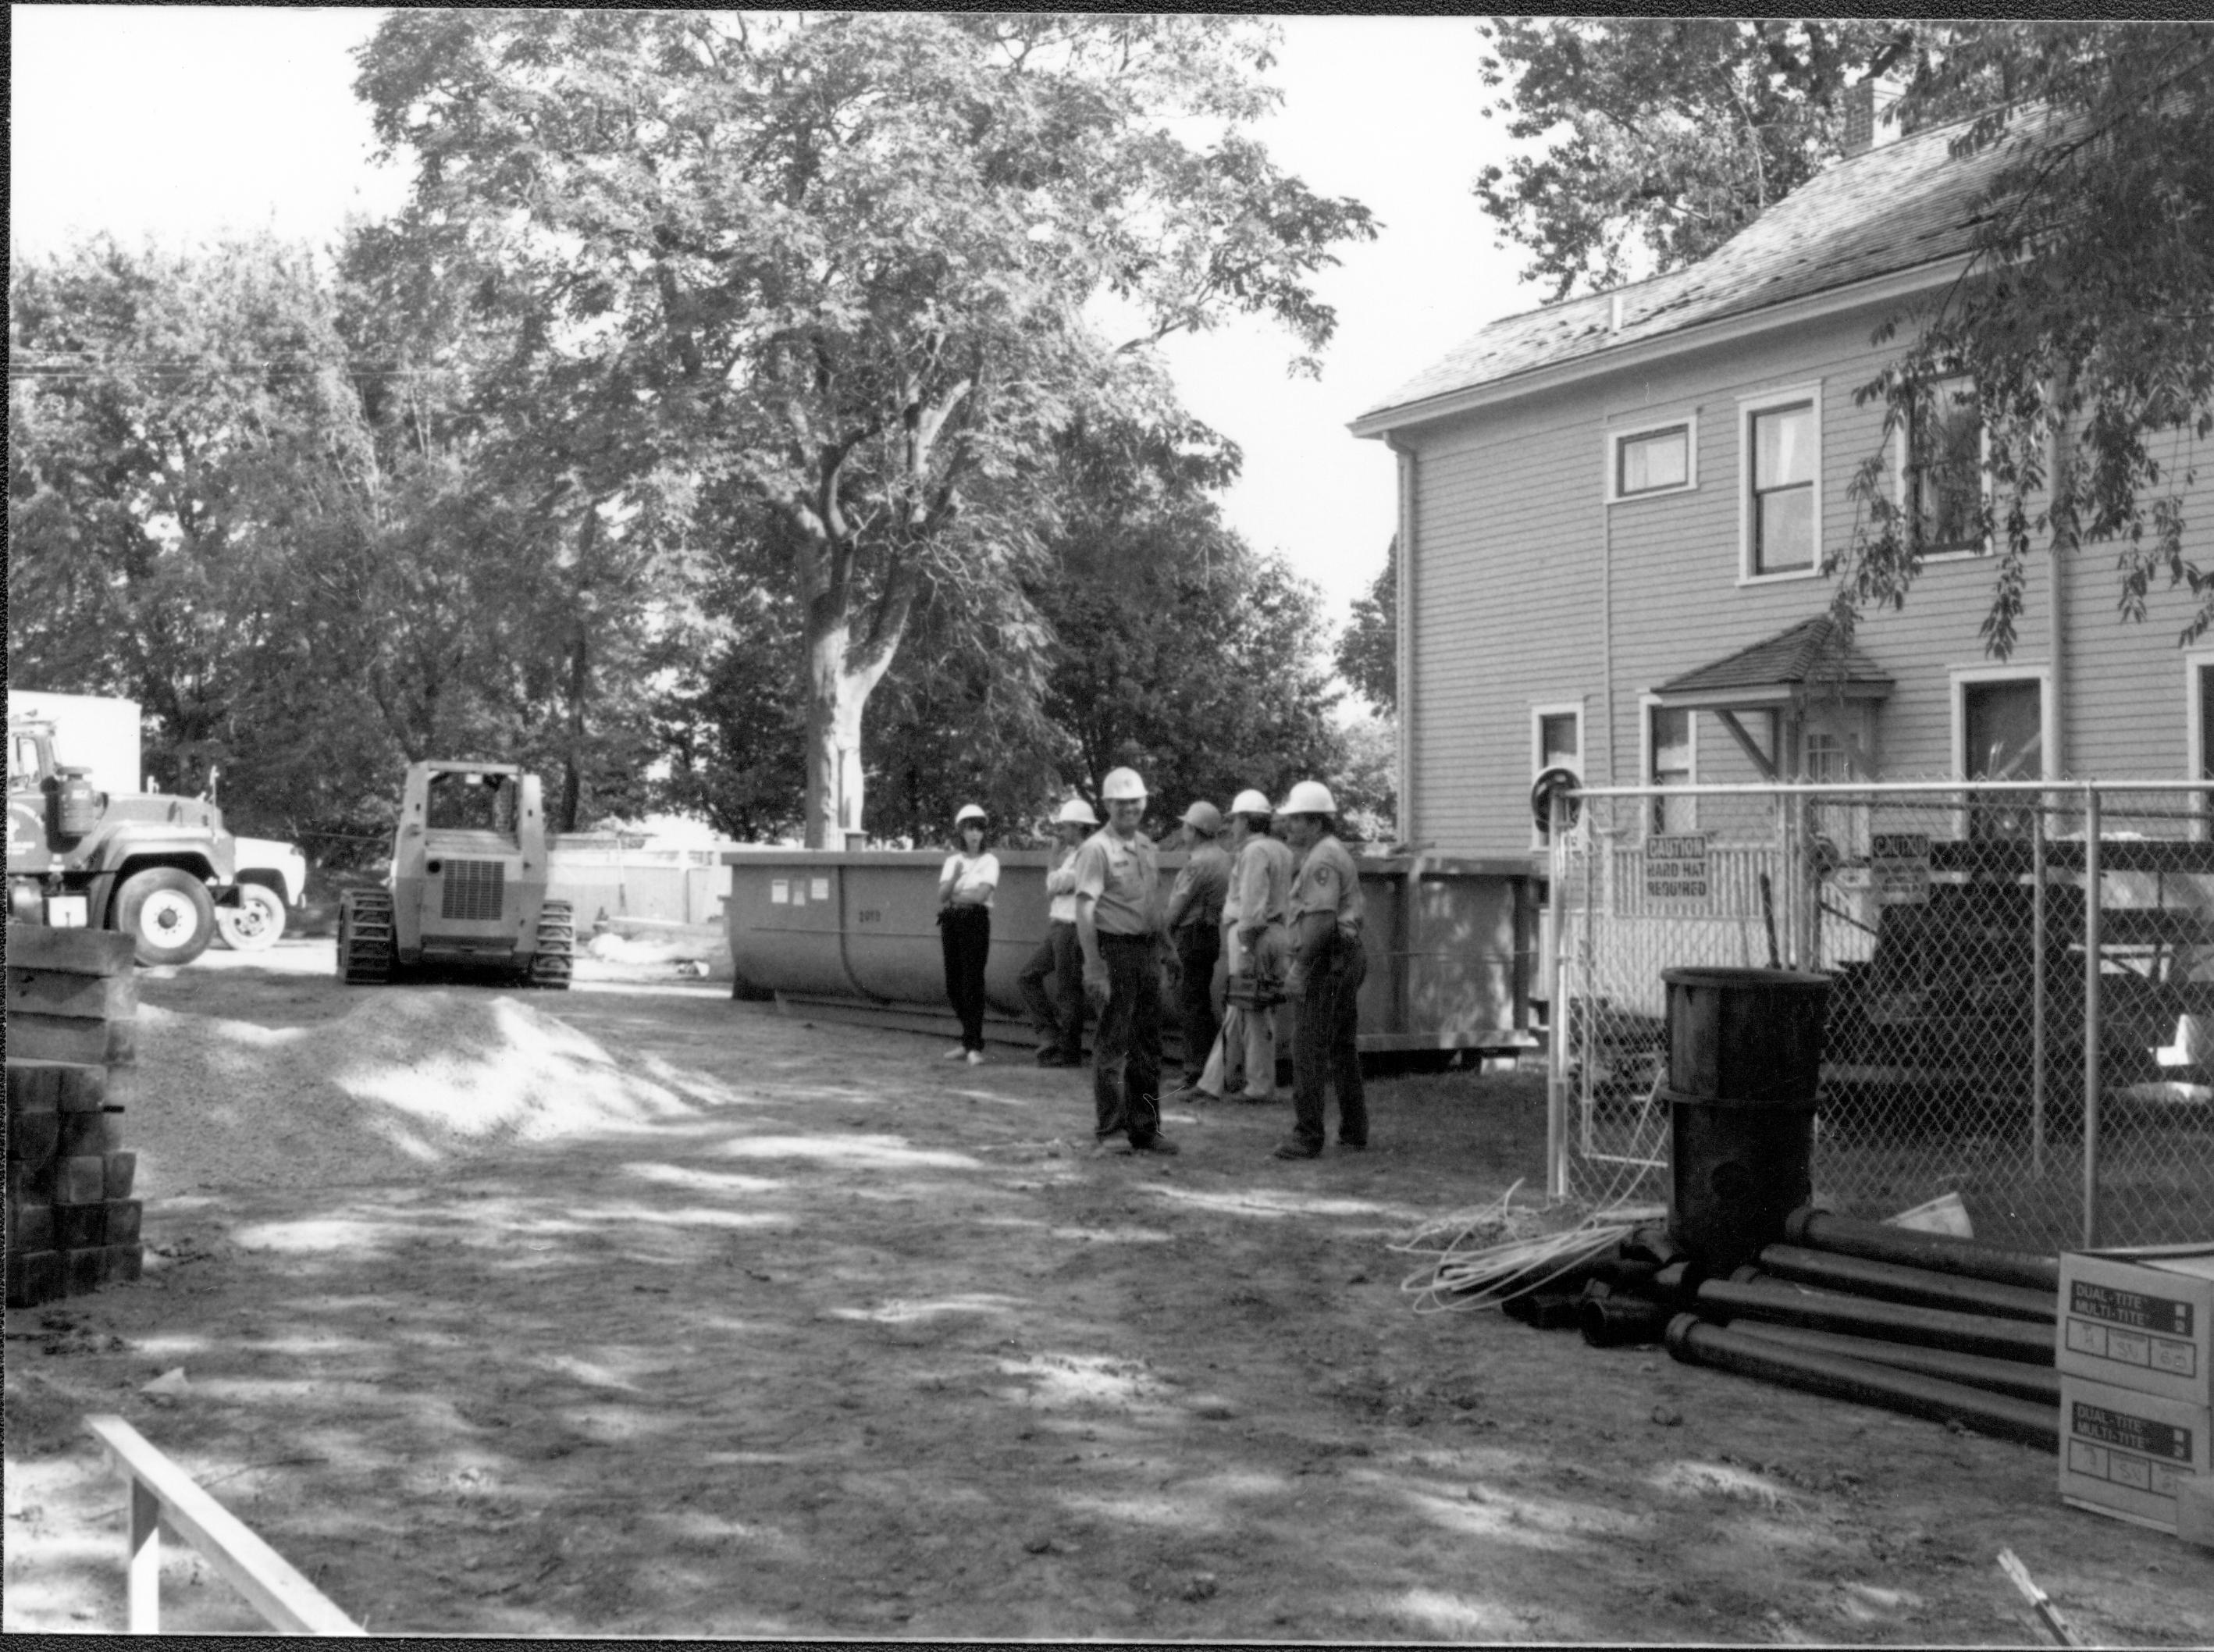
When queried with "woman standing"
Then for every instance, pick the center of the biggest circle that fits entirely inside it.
(964, 925)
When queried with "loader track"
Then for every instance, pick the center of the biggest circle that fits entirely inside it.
(365, 943)
(556, 951)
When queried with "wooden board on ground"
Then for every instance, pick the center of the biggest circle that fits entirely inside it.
(79, 951)
(67, 993)
(60, 1038)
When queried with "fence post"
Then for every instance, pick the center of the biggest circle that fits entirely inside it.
(1588, 965)
(1556, 1055)
(2037, 946)
(2091, 1007)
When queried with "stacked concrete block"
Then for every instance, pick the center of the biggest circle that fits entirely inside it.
(72, 1224)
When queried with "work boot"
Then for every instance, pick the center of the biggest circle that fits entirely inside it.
(1294, 1149)
(1156, 1143)
(1050, 1055)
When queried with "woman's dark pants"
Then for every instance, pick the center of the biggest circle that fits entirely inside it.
(966, 932)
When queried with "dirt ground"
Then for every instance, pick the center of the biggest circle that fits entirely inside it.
(836, 1339)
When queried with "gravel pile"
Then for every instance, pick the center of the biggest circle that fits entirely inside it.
(404, 1081)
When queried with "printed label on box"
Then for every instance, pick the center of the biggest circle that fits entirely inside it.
(822, 889)
(2127, 1308)
(2136, 1433)
(779, 893)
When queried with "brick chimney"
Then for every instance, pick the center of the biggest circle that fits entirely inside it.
(1871, 112)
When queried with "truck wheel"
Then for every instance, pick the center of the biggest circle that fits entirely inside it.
(254, 923)
(167, 913)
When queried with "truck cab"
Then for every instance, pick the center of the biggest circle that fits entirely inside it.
(144, 863)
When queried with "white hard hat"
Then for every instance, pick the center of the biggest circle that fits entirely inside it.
(1250, 802)
(1122, 784)
(1076, 812)
(1203, 817)
(1310, 797)
(968, 811)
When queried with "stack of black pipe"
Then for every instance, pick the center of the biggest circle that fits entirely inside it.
(1927, 1324)
(1748, 1275)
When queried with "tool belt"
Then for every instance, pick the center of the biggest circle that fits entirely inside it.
(1255, 991)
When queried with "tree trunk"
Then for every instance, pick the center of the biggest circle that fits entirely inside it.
(835, 696)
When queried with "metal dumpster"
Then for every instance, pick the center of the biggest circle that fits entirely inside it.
(1452, 944)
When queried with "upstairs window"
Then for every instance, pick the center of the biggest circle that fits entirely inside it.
(1944, 497)
(1560, 740)
(1556, 741)
(1781, 512)
(1651, 461)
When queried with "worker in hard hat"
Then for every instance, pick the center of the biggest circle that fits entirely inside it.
(1194, 919)
(965, 886)
(1328, 966)
(1118, 915)
(1052, 982)
(1254, 950)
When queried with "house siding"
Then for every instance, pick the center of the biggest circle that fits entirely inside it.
(1528, 587)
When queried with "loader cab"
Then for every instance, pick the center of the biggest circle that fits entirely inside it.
(469, 866)
(472, 800)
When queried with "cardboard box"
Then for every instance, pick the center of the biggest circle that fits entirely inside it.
(2141, 1319)
(2194, 1511)
(2126, 1453)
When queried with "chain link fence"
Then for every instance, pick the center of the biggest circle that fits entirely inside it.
(2021, 1007)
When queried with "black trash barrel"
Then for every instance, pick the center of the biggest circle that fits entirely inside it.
(1741, 1035)
(1745, 1052)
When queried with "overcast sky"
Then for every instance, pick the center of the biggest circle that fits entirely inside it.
(176, 122)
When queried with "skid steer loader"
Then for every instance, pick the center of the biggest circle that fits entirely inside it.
(467, 886)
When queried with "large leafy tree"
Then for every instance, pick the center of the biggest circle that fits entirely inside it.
(1182, 651)
(176, 420)
(1662, 137)
(841, 261)
(2081, 324)
(1368, 651)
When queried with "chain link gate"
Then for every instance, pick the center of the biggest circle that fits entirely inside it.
(2022, 1008)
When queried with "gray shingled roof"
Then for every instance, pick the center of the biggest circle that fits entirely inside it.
(1790, 658)
(1898, 205)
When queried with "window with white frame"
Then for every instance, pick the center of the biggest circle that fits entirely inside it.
(1945, 475)
(1670, 760)
(1781, 446)
(1556, 741)
(1660, 460)
(2000, 733)
(1823, 758)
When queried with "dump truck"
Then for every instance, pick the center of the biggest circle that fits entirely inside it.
(147, 863)
(467, 892)
(99, 734)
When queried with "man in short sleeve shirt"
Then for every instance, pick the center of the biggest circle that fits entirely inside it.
(1118, 922)
(1328, 966)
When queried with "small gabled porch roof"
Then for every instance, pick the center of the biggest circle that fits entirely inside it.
(1799, 673)
(1810, 659)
